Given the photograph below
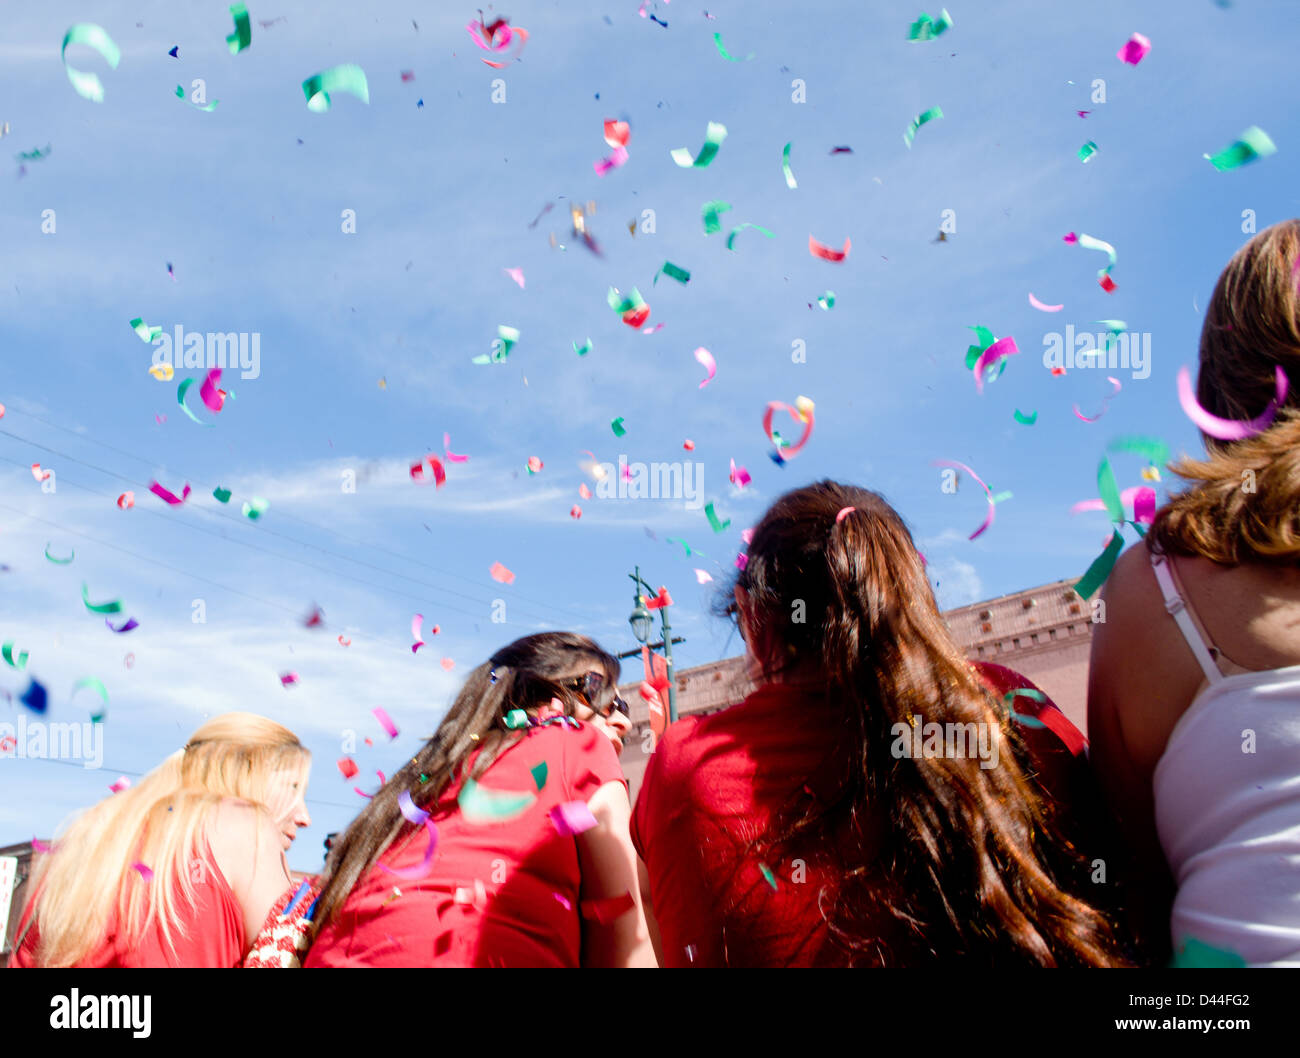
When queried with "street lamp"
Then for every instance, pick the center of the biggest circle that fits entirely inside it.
(642, 622)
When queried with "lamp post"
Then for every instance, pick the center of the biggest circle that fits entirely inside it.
(642, 622)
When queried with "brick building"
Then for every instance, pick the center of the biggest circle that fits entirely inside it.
(1043, 633)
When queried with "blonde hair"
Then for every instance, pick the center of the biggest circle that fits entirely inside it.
(161, 823)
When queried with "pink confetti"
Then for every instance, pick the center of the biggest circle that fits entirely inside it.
(709, 364)
(452, 457)
(1134, 50)
(416, 622)
(563, 902)
(1069, 237)
(1044, 308)
(517, 274)
(426, 864)
(169, 496)
(575, 512)
(1003, 347)
(385, 721)
(1228, 429)
(348, 767)
(448, 664)
(988, 518)
(572, 818)
(122, 783)
(288, 679)
(430, 461)
(214, 399)
(407, 75)
(145, 872)
(39, 846)
(653, 330)
(742, 561)
(844, 512)
(1141, 497)
(739, 476)
(1105, 401)
(614, 161)
(500, 574)
(584, 492)
(819, 249)
(344, 643)
(534, 465)
(126, 500)
(748, 536)
(617, 133)
(38, 473)
(689, 445)
(702, 576)
(412, 813)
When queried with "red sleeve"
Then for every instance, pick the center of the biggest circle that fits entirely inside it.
(589, 762)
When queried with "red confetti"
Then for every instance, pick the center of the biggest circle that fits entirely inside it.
(348, 767)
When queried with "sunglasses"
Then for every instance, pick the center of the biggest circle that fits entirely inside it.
(590, 685)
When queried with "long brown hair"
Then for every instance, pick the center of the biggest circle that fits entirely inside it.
(522, 675)
(958, 852)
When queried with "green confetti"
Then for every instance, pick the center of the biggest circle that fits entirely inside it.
(673, 272)
(927, 28)
(623, 305)
(1154, 449)
(7, 652)
(181, 390)
(710, 211)
(1087, 151)
(506, 339)
(674, 540)
(1026, 420)
(918, 121)
(255, 508)
(713, 519)
(618, 427)
(243, 35)
(768, 876)
(516, 719)
(713, 138)
(1254, 143)
(785, 167)
(1100, 568)
(1002, 497)
(1197, 955)
(986, 339)
(827, 301)
(115, 606)
(1024, 692)
(1109, 491)
(731, 238)
(60, 561)
(34, 155)
(180, 94)
(96, 685)
(539, 775)
(479, 805)
(222, 495)
(586, 348)
(345, 78)
(717, 39)
(88, 85)
(147, 334)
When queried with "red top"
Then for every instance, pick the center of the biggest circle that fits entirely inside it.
(498, 893)
(714, 784)
(213, 929)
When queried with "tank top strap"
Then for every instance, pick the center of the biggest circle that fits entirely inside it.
(1178, 609)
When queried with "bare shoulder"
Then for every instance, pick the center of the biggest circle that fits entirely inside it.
(237, 832)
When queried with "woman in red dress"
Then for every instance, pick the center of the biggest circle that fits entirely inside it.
(871, 803)
(181, 869)
(504, 841)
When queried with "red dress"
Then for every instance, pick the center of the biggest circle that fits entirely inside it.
(714, 784)
(498, 892)
(213, 929)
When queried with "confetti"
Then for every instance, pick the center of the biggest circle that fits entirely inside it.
(255, 508)
(122, 783)
(739, 476)
(535, 465)
(927, 28)
(39, 473)
(785, 168)
(348, 767)
(710, 211)
(827, 301)
(768, 876)
(583, 491)
(999, 350)
(430, 463)
(386, 722)
(239, 40)
(1254, 143)
(169, 496)
(1105, 403)
(409, 810)
(918, 121)
(1089, 243)
(713, 138)
(818, 249)
(426, 864)
(1197, 955)
(344, 642)
(208, 109)
(614, 161)
(1087, 151)
(344, 78)
(718, 526)
(34, 155)
(7, 652)
(213, 399)
(181, 390)
(128, 625)
(500, 574)
(60, 561)
(802, 412)
(702, 577)
(988, 518)
(481, 805)
(447, 664)
(708, 363)
(113, 606)
(672, 272)
(572, 818)
(1134, 50)
(843, 513)
(35, 697)
(575, 512)
(562, 902)
(617, 426)
(1042, 307)
(731, 237)
(1229, 429)
(88, 85)
(126, 501)
(146, 333)
(1154, 449)
(584, 350)
(1024, 692)
(452, 457)
(222, 495)
(145, 872)
(288, 679)
(689, 445)
(517, 274)
(717, 39)
(1026, 420)
(96, 685)
(1100, 568)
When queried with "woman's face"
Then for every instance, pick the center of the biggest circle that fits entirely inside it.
(614, 727)
(287, 799)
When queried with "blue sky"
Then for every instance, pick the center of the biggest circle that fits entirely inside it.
(250, 219)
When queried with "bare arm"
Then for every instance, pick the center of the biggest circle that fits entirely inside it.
(609, 870)
(652, 924)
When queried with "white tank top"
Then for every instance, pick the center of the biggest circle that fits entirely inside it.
(1227, 807)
